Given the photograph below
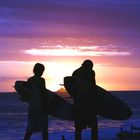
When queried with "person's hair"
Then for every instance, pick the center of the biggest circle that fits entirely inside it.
(87, 64)
(38, 68)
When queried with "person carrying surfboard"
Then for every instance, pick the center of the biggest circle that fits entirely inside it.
(37, 112)
(83, 118)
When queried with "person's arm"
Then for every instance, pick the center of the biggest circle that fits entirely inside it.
(92, 80)
(43, 85)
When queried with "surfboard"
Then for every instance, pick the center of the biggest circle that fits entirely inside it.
(107, 105)
(57, 106)
(23, 90)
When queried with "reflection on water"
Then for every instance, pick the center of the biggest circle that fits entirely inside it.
(13, 118)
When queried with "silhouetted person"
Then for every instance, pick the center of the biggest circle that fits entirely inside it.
(37, 112)
(84, 119)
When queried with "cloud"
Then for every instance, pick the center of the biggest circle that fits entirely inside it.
(56, 48)
(77, 51)
(26, 25)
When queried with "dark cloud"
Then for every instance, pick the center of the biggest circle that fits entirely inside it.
(40, 18)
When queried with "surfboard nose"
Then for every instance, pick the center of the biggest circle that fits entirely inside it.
(126, 113)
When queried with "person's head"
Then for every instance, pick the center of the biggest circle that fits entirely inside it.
(38, 69)
(87, 64)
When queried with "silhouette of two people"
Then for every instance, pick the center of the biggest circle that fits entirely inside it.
(38, 105)
(84, 119)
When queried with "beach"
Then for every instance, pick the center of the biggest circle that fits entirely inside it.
(13, 120)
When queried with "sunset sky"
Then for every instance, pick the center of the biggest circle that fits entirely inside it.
(62, 33)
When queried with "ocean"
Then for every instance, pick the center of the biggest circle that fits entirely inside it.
(13, 120)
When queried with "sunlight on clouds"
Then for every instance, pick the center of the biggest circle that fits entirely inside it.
(52, 52)
(75, 51)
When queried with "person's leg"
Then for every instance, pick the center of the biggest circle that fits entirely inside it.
(78, 134)
(94, 134)
(45, 135)
(94, 130)
(27, 135)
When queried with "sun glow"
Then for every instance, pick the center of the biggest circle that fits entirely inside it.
(55, 73)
